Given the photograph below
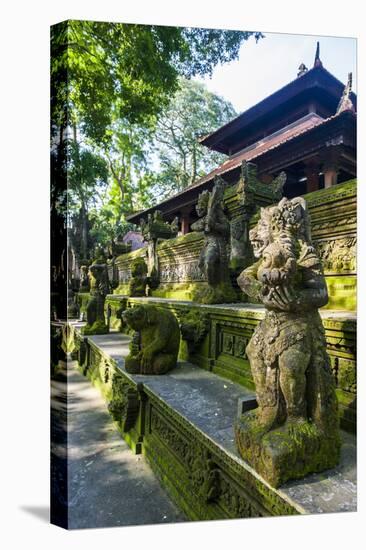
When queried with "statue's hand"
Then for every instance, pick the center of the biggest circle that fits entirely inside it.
(281, 297)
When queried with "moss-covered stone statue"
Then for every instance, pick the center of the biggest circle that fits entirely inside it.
(84, 279)
(138, 281)
(99, 288)
(194, 326)
(154, 229)
(294, 431)
(214, 257)
(155, 344)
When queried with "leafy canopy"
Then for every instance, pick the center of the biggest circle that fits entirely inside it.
(113, 88)
(132, 69)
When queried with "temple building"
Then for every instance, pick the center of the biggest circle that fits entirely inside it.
(307, 128)
(251, 292)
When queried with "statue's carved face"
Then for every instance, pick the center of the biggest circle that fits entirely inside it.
(260, 234)
(202, 204)
(135, 317)
(139, 268)
(97, 271)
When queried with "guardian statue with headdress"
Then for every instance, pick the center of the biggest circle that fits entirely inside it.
(294, 430)
(214, 257)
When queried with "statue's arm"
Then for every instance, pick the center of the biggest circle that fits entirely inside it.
(249, 283)
(218, 225)
(198, 225)
(159, 336)
(314, 294)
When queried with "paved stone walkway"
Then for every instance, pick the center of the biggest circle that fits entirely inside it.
(108, 485)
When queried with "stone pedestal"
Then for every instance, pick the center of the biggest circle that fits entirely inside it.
(290, 451)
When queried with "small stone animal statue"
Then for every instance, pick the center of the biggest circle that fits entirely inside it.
(99, 288)
(155, 344)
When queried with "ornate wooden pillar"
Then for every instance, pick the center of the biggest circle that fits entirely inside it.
(312, 169)
(185, 220)
(331, 168)
(330, 175)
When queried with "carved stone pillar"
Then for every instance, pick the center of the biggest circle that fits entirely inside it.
(312, 169)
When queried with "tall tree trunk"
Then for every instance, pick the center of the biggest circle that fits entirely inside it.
(194, 165)
(84, 232)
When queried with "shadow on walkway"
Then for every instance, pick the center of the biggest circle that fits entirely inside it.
(107, 484)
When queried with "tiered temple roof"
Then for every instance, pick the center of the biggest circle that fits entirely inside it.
(307, 128)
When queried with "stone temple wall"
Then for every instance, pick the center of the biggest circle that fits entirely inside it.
(222, 351)
(334, 225)
(333, 214)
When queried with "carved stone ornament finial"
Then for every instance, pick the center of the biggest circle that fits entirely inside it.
(345, 103)
(317, 62)
(302, 69)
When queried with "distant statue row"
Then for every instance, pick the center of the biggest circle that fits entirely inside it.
(226, 241)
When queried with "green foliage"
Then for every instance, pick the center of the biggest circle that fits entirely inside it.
(192, 113)
(87, 176)
(134, 68)
(110, 82)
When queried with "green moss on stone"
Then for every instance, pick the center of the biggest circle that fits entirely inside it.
(342, 292)
(289, 452)
(220, 294)
(178, 291)
(99, 327)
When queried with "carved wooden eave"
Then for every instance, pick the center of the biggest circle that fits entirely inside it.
(345, 103)
(314, 83)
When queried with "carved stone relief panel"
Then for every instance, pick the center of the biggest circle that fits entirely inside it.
(338, 255)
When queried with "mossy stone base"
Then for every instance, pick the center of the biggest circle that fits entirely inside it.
(220, 294)
(99, 327)
(288, 452)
